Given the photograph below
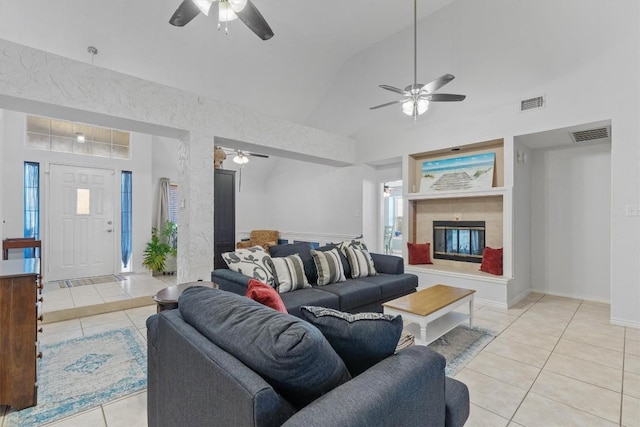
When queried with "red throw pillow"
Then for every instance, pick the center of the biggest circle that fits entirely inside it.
(492, 261)
(419, 253)
(265, 295)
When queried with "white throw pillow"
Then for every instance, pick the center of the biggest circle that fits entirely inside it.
(289, 273)
(329, 266)
(360, 262)
(253, 262)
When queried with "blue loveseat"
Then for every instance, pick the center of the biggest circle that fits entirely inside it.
(365, 294)
(225, 360)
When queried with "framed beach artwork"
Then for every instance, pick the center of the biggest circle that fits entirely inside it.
(474, 172)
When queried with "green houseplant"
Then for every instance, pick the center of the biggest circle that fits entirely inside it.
(163, 243)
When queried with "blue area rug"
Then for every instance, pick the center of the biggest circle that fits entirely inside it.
(82, 373)
(460, 345)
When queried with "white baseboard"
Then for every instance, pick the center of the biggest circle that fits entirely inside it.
(564, 295)
(626, 323)
(490, 303)
(519, 298)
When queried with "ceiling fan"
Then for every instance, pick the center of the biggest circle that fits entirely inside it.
(228, 10)
(416, 97)
(240, 157)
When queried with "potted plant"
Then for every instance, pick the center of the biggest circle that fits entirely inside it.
(163, 245)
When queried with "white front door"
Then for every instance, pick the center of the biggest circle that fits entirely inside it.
(81, 229)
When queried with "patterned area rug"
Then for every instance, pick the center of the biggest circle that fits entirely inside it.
(91, 281)
(82, 373)
(460, 345)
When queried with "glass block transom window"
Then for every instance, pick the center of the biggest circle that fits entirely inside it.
(68, 137)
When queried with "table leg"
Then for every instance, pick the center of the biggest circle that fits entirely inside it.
(423, 332)
(471, 313)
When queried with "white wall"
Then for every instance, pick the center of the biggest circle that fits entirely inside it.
(571, 221)
(15, 154)
(253, 198)
(313, 198)
(164, 165)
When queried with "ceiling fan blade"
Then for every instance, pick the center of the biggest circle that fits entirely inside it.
(437, 83)
(252, 18)
(264, 156)
(388, 103)
(394, 89)
(443, 97)
(184, 13)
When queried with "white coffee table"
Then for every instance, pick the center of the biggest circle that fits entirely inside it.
(429, 313)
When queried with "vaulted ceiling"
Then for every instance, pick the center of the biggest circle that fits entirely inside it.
(287, 76)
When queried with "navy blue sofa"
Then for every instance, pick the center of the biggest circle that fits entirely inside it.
(194, 381)
(360, 295)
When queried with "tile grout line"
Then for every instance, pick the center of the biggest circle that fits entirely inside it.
(480, 373)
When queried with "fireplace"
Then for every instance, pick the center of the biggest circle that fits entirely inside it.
(458, 240)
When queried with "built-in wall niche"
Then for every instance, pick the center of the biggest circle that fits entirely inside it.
(417, 160)
(488, 209)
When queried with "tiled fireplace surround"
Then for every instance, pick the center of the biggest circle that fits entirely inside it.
(486, 208)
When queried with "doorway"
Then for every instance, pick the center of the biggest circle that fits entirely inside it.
(81, 222)
(392, 217)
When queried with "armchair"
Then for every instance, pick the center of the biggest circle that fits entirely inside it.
(264, 238)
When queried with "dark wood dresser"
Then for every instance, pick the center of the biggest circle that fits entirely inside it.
(20, 313)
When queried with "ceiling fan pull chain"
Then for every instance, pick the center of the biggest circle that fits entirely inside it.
(226, 27)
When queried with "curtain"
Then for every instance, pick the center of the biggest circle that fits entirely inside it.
(126, 217)
(162, 214)
(32, 205)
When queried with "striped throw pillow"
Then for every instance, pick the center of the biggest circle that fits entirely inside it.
(360, 262)
(329, 266)
(289, 273)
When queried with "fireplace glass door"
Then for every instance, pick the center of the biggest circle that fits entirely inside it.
(459, 240)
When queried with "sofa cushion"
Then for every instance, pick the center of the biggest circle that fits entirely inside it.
(293, 357)
(252, 262)
(265, 295)
(301, 248)
(360, 262)
(289, 273)
(354, 293)
(392, 285)
(309, 296)
(328, 266)
(361, 340)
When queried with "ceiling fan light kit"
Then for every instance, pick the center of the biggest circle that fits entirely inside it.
(225, 13)
(240, 158)
(416, 97)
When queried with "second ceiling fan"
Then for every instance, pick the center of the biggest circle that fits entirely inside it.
(228, 10)
(416, 97)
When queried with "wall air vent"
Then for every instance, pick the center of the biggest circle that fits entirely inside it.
(530, 104)
(590, 134)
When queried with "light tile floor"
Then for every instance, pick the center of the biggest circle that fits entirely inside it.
(134, 286)
(555, 362)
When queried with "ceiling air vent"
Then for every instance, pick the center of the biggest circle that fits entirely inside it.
(590, 134)
(530, 104)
